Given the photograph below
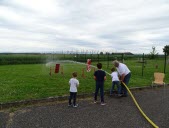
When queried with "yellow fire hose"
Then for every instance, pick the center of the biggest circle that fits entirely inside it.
(153, 124)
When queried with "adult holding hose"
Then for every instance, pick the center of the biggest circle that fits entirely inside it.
(125, 75)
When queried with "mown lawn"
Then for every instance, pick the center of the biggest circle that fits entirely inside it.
(32, 81)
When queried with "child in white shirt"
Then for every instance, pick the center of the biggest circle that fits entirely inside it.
(74, 83)
(115, 81)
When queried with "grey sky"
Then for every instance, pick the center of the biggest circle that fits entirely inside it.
(80, 25)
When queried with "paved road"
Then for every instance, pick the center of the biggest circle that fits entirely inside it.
(118, 113)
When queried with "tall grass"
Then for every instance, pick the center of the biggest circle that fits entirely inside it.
(32, 58)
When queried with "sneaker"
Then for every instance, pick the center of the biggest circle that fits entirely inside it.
(69, 105)
(95, 102)
(124, 95)
(103, 104)
(75, 106)
(119, 95)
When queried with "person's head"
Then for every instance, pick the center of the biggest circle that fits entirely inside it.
(113, 69)
(115, 63)
(99, 65)
(74, 74)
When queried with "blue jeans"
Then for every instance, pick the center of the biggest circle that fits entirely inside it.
(126, 81)
(99, 85)
(118, 87)
(72, 96)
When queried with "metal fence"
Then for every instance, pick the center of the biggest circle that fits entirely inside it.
(140, 62)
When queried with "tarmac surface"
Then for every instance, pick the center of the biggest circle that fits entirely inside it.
(117, 113)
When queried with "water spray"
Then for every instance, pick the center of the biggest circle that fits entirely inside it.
(69, 61)
(90, 65)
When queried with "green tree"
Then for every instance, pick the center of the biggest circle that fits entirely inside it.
(166, 49)
(153, 53)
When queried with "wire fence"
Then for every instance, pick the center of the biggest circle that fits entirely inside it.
(140, 62)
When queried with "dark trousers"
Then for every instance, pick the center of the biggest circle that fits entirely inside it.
(99, 85)
(126, 81)
(72, 96)
(118, 87)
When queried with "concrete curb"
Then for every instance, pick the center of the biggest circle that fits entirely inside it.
(59, 98)
(36, 101)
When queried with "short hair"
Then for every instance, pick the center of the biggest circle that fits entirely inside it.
(113, 69)
(99, 65)
(115, 62)
(74, 74)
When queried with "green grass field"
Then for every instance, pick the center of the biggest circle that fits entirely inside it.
(32, 81)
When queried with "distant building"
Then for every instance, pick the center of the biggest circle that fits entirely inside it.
(125, 53)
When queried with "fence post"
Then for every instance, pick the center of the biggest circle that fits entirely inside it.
(98, 57)
(165, 62)
(122, 57)
(77, 56)
(91, 56)
(107, 60)
(143, 65)
(53, 56)
(85, 58)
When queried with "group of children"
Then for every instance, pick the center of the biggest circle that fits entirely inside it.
(100, 77)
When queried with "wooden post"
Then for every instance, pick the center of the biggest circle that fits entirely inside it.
(50, 73)
(83, 75)
(62, 70)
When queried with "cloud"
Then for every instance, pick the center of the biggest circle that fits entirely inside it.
(97, 25)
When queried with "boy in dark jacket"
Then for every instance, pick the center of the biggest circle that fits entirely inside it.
(100, 77)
